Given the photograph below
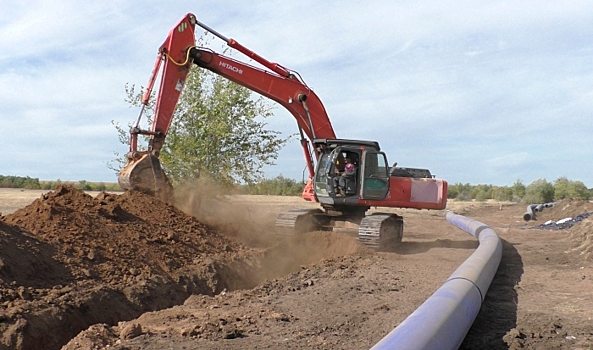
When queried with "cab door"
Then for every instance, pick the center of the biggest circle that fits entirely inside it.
(375, 175)
(325, 173)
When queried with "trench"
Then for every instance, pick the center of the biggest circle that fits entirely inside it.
(53, 324)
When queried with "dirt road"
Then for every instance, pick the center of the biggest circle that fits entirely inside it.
(133, 273)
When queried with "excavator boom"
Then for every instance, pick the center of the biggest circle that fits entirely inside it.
(176, 56)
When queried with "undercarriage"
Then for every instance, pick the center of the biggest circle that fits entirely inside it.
(381, 231)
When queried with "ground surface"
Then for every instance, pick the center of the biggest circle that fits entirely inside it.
(126, 271)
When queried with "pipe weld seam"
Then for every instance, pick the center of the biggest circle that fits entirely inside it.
(470, 281)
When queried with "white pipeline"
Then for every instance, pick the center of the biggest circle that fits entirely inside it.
(444, 319)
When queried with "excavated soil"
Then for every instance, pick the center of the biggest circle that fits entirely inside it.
(126, 271)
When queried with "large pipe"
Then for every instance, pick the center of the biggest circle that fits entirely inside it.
(444, 319)
(530, 213)
(536, 208)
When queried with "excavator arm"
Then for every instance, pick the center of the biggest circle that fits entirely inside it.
(176, 56)
(142, 170)
(279, 84)
(288, 91)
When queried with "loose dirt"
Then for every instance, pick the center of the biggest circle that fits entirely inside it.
(126, 271)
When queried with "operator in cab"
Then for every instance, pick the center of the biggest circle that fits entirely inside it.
(349, 170)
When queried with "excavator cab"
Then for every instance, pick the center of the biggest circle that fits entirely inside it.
(371, 175)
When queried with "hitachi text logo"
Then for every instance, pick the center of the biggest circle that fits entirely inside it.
(231, 68)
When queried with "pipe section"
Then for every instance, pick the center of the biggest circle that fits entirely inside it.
(444, 319)
(536, 208)
(530, 213)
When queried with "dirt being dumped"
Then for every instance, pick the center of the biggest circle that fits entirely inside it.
(70, 260)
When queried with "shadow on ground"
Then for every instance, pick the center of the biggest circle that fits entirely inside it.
(499, 311)
(406, 248)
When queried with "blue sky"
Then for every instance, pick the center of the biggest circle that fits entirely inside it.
(478, 92)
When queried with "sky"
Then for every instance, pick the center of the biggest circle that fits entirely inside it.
(479, 92)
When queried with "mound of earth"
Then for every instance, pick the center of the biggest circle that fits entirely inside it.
(565, 208)
(581, 232)
(114, 238)
(70, 260)
(63, 280)
(228, 320)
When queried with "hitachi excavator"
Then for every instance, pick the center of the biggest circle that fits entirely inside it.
(344, 196)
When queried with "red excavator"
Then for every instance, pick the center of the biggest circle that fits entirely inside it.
(346, 177)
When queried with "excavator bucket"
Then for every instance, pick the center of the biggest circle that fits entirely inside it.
(146, 175)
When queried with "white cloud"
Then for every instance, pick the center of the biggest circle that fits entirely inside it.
(509, 160)
(472, 90)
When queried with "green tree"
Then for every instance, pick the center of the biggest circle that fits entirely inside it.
(452, 191)
(565, 188)
(482, 192)
(539, 191)
(561, 188)
(217, 133)
(503, 194)
(19, 182)
(518, 189)
(464, 196)
(84, 185)
(482, 196)
(460, 191)
(578, 190)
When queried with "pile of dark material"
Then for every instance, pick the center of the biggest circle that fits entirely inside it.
(563, 224)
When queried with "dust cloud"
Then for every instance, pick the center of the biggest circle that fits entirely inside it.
(253, 225)
(206, 201)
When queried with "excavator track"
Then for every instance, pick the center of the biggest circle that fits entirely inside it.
(381, 231)
(297, 220)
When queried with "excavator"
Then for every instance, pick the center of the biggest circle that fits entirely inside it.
(343, 196)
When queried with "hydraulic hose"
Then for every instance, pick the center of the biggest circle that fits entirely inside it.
(444, 319)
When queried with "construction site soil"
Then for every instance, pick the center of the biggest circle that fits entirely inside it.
(127, 271)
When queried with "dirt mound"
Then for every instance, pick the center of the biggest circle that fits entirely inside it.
(581, 231)
(566, 208)
(70, 260)
(582, 235)
(85, 260)
(117, 238)
(231, 315)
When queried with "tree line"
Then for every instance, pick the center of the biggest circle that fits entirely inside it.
(538, 191)
(278, 186)
(30, 183)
